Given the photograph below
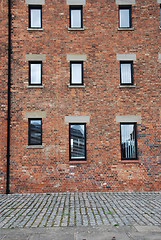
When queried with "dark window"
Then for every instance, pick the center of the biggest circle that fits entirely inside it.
(125, 17)
(76, 17)
(35, 73)
(128, 141)
(35, 16)
(77, 141)
(160, 15)
(126, 73)
(76, 73)
(35, 132)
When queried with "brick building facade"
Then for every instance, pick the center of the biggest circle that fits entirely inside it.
(3, 92)
(85, 95)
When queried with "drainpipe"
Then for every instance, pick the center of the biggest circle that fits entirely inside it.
(9, 98)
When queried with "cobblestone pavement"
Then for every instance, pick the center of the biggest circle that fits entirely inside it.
(80, 209)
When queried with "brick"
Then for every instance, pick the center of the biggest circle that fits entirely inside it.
(48, 169)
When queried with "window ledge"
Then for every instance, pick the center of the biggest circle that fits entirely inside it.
(76, 29)
(127, 86)
(35, 86)
(35, 147)
(125, 29)
(35, 29)
(77, 162)
(129, 161)
(76, 86)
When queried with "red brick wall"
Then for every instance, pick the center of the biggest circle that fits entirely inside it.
(3, 92)
(48, 169)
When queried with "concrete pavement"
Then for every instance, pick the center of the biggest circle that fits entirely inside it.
(83, 233)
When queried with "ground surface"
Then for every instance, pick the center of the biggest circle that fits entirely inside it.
(81, 216)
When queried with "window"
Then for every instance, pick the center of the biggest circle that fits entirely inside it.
(35, 16)
(76, 73)
(160, 15)
(77, 141)
(35, 73)
(35, 132)
(125, 17)
(76, 17)
(128, 141)
(126, 73)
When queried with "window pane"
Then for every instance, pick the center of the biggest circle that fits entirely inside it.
(76, 73)
(75, 18)
(160, 15)
(77, 141)
(128, 141)
(35, 132)
(126, 73)
(35, 73)
(36, 18)
(124, 18)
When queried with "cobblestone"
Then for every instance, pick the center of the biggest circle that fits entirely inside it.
(80, 209)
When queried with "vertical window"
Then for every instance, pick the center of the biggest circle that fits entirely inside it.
(35, 16)
(35, 132)
(125, 17)
(126, 73)
(35, 73)
(77, 141)
(160, 15)
(128, 141)
(76, 17)
(76, 73)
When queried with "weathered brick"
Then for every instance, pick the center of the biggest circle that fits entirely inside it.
(48, 169)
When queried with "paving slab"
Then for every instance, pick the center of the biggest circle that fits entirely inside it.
(148, 229)
(145, 236)
(81, 233)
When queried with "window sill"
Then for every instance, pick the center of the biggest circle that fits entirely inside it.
(125, 29)
(35, 29)
(35, 147)
(127, 86)
(77, 162)
(76, 86)
(76, 29)
(129, 161)
(35, 86)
